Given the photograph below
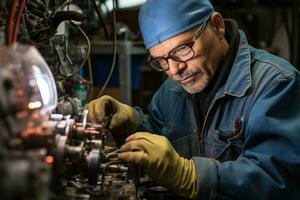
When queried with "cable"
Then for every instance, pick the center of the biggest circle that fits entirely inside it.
(18, 19)
(101, 19)
(89, 48)
(87, 58)
(91, 88)
(114, 53)
(10, 24)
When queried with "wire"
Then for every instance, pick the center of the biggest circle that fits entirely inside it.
(101, 19)
(91, 88)
(114, 53)
(10, 23)
(87, 58)
(88, 52)
(18, 19)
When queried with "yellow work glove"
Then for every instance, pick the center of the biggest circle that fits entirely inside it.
(122, 120)
(161, 162)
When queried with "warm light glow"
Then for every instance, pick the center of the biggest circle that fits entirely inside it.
(49, 159)
(34, 105)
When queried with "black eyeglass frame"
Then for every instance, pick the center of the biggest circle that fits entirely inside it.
(189, 44)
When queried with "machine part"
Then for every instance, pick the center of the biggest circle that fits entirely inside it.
(121, 189)
(61, 16)
(69, 127)
(117, 168)
(27, 175)
(59, 166)
(83, 164)
(28, 94)
(69, 106)
(75, 149)
(56, 117)
(30, 74)
(28, 90)
(93, 160)
(84, 119)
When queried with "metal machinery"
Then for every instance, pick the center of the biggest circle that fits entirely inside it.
(46, 156)
(52, 156)
(85, 166)
(38, 25)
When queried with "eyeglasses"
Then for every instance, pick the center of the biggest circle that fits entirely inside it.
(181, 53)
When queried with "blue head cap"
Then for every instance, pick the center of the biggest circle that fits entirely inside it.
(160, 20)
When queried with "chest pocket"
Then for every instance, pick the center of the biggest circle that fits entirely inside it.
(184, 140)
(224, 140)
(224, 145)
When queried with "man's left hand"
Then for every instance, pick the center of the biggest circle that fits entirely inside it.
(161, 162)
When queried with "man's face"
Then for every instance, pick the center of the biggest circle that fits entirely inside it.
(195, 74)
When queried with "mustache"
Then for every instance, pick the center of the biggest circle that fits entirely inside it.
(185, 74)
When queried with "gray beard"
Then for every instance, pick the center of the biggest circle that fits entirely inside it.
(193, 90)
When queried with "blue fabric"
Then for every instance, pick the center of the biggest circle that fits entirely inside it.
(249, 145)
(175, 16)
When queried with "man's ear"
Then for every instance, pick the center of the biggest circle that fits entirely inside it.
(217, 22)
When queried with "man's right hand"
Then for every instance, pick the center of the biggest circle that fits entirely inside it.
(122, 120)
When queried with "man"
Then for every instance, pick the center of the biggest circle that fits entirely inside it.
(230, 111)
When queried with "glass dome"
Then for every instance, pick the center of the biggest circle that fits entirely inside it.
(27, 87)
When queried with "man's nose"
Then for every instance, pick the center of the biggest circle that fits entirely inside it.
(176, 67)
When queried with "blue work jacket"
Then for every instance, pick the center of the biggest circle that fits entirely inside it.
(249, 144)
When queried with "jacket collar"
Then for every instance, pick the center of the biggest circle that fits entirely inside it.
(239, 79)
